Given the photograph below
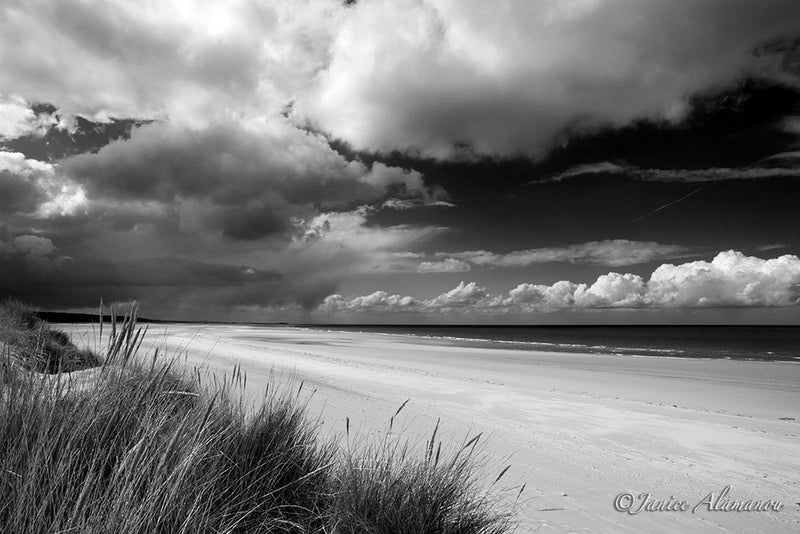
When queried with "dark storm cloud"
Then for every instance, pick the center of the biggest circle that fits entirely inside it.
(169, 215)
(37, 272)
(17, 194)
(747, 132)
(248, 184)
(252, 222)
(61, 140)
(64, 271)
(73, 272)
(28, 186)
(729, 128)
(163, 214)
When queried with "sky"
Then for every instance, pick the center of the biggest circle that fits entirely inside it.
(404, 161)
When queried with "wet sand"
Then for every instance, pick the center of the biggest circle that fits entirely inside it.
(578, 429)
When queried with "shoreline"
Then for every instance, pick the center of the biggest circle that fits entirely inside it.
(566, 348)
(577, 430)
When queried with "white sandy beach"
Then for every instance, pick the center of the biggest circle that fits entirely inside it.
(578, 429)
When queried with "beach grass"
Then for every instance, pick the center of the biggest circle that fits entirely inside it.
(30, 343)
(143, 445)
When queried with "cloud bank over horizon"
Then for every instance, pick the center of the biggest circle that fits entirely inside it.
(730, 279)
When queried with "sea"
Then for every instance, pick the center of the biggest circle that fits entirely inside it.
(762, 343)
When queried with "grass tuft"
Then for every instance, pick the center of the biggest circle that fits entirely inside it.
(391, 487)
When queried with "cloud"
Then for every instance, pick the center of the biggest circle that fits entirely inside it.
(611, 252)
(731, 279)
(350, 229)
(771, 246)
(603, 167)
(208, 173)
(32, 187)
(713, 174)
(408, 203)
(379, 301)
(33, 245)
(18, 189)
(33, 252)
(792, 125)
(136, 250)
(241, 183)
(215, 201)
(440, 78)
(35, 271)
(25, 253)
(229, 164)
(339, 245)
(16, 163)
(791, 157)
(462, 296)
(612, 290)
(450, 265)
(195, 62)
(759, 171)
(448, 79)
(18, 119)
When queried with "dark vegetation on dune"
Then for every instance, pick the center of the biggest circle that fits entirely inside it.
(30, 343)
(142, 447)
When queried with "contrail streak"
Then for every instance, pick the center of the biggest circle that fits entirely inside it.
(669, 204)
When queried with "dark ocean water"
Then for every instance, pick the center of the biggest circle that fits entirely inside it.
(767, 343)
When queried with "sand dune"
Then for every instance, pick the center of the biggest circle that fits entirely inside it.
(579, 429)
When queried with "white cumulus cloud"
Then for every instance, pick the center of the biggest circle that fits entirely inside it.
(730, 279)
(379, 301)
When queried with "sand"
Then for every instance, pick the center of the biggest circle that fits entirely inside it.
(577, 429)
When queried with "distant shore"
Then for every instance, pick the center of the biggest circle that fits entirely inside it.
(578, 429)
(743, 342)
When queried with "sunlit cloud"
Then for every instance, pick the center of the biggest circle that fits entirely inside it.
(731, 279)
